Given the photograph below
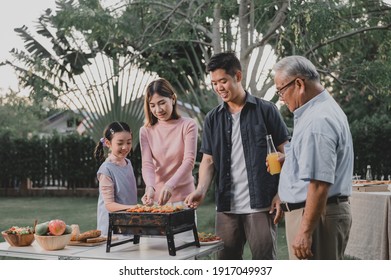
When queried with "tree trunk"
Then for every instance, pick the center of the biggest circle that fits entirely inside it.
(216, 36)
(244, 37)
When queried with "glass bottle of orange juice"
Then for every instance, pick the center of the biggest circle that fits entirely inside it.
(272, 156)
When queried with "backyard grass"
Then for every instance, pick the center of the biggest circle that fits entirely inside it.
(82, 211)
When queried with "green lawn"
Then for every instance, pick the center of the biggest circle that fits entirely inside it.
(82, 211)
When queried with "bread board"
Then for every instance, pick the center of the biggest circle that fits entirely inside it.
(85, 244)
(100, 241)
(91, 242)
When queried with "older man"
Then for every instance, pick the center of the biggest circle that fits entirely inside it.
(316, 178)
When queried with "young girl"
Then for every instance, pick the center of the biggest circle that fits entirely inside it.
(117, 183)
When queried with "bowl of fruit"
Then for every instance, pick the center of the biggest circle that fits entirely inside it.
(53, 235)
(19, 236)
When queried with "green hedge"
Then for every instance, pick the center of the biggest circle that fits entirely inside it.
(51, 161)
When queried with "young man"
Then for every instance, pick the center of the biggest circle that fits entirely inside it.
(234, 149)
(316, 178)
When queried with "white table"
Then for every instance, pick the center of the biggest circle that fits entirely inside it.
(149, 248)
(370, 235)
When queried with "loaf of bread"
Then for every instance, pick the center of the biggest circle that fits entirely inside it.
(75, 232)
(89, 234)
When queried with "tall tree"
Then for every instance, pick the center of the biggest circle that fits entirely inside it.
(347, 40)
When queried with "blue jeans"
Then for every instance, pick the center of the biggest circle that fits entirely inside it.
(256, 228)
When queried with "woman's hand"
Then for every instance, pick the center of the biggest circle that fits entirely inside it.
(165, 195)
(149, 195)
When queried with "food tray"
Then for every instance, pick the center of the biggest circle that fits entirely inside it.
(371, 188)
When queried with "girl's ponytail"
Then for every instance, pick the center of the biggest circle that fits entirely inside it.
(99, 153)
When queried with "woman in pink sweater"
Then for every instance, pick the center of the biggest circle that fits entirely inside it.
(168, 147)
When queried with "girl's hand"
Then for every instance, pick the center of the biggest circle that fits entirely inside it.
(149, 195)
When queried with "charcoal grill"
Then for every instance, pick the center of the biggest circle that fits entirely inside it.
(145, 223)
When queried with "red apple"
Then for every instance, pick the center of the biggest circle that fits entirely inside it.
(57, 227)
